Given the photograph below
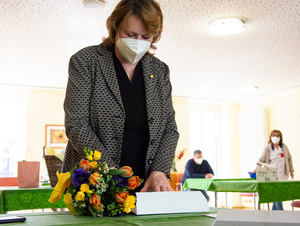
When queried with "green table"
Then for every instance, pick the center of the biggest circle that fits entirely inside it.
(66, 218)
(14, 198)
(274, 191)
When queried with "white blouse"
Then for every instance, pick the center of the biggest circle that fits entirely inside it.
(277, 159)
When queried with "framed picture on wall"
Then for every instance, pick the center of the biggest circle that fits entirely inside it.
(55, 136)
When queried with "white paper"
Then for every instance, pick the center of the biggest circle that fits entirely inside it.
(170, 202)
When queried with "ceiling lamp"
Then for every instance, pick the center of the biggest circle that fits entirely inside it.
(93, 3)
(226, 26)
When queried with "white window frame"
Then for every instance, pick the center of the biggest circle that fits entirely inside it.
(13, 118)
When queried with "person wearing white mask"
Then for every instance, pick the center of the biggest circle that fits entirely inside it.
(119, 101)
(197, 167)
(277, 153)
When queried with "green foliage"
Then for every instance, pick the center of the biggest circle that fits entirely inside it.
(114, 172)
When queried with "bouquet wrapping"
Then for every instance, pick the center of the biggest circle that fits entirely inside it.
(94, 189)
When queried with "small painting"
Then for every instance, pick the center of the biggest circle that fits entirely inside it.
(55, 136)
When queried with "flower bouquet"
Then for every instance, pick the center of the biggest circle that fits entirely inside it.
(94, 189)
(177, 157)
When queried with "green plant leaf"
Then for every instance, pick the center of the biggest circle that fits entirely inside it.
(115, 172)
(92, 211)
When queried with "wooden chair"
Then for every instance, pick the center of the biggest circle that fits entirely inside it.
(295, 204)
(176, 181)
(254, 195)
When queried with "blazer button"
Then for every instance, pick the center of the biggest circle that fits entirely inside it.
(151, 120)
(150, 161)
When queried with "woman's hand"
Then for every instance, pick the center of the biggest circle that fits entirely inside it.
(292, 175)
(157, 181)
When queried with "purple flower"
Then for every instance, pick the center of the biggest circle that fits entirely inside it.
(80, 177)
(121, 181)
(118, 214)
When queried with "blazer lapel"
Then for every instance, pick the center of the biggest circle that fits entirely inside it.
(109, 74)
(149, 81)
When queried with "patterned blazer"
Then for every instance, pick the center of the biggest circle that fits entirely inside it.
(95, 116)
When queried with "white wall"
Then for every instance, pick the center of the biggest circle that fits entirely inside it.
(253, 131)
(283, 110)
(43, 107)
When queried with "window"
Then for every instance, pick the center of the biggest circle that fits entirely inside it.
(204, 133)
(12, 131)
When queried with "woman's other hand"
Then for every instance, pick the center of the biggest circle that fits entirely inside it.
(157, 181)
(292, 175)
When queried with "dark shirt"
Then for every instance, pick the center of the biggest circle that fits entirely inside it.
(193, 170)
(136, 130)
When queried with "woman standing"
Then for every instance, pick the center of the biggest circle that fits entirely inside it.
(276, 153)
(118, 99)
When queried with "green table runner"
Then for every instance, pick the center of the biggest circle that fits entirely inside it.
(66, 218)
(274, 191)
(13, 198)
(234, 185)
(278, 191)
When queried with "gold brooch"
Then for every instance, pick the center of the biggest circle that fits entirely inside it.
(151, 76)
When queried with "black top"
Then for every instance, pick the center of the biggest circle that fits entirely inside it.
(136, 130)
(193, 170)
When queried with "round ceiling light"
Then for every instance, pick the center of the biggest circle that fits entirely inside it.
(93, 3)
(226, 26)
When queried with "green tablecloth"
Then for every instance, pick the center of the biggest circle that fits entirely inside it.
(66, 218)
(14, 198)
(274, 191)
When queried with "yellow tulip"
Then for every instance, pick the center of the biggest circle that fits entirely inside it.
(94, 165)
(89, 157)
(84, 187)
(63, 180)
(129, 204)
(69, 203)
(97, 155)
(80, 196)
(130, 201)
(89, 191)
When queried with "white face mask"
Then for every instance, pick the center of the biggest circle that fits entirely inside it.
(199, 161)
(275, 140)
(132, 49)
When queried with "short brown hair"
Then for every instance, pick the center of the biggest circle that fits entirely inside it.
(147, 10)
(197, 152)
(280, 134)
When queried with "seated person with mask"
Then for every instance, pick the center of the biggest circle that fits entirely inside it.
(198, 168)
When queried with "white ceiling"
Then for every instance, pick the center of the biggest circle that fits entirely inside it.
(38, 38)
